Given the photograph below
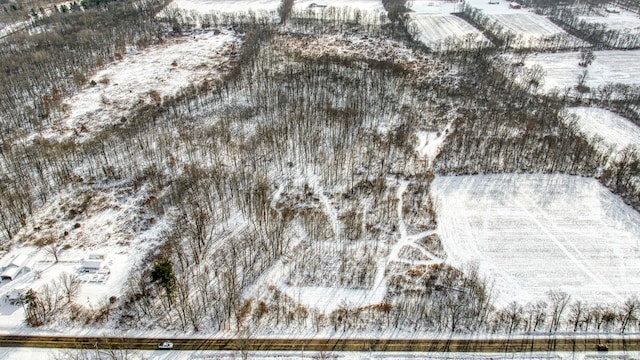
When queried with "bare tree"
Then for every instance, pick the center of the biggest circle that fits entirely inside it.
(70, 285)
(559, 301)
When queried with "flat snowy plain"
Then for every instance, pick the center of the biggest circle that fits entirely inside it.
(529, 234)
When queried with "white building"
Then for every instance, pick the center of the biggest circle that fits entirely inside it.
(15, 268)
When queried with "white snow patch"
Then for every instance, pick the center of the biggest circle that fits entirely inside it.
(429, 143)
(534, 233)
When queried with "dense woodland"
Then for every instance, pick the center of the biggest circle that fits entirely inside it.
(288, 145)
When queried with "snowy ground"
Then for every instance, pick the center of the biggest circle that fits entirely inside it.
(447, 32)
(227, 6)
(562, 70)
(533, 233)
(616, 131)
(328, 299)
(143, 78)
(624, 20)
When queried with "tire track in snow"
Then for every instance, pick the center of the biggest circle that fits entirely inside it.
(545, 229)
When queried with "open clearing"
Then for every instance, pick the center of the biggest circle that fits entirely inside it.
(562, 70)
(616, 131)
(441, 32)
(144, 77)
(533, 233)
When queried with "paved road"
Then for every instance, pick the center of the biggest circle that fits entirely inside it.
(537, 343)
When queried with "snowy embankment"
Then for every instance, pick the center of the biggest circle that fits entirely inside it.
(533, 233)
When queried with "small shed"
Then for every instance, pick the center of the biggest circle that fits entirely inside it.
(14, 269)
(91, 265)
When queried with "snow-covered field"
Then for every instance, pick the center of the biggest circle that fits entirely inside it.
(143, 78)
(502, 7)
(534, 31)
(362, 11)
(362, 5)
(529, 29)
(611, 66)
(615, 131)
(227, 6)
(447, 32)
(431, 7)
(624, 20)
(533, 233)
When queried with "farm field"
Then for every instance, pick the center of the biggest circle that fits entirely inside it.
(362, 5)
(227, 6)
(362, 11)
(534, 31)
(624, 20)
(534, 233)
(430, 7)
(616, 131)
(441, 32)
(562, 70)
